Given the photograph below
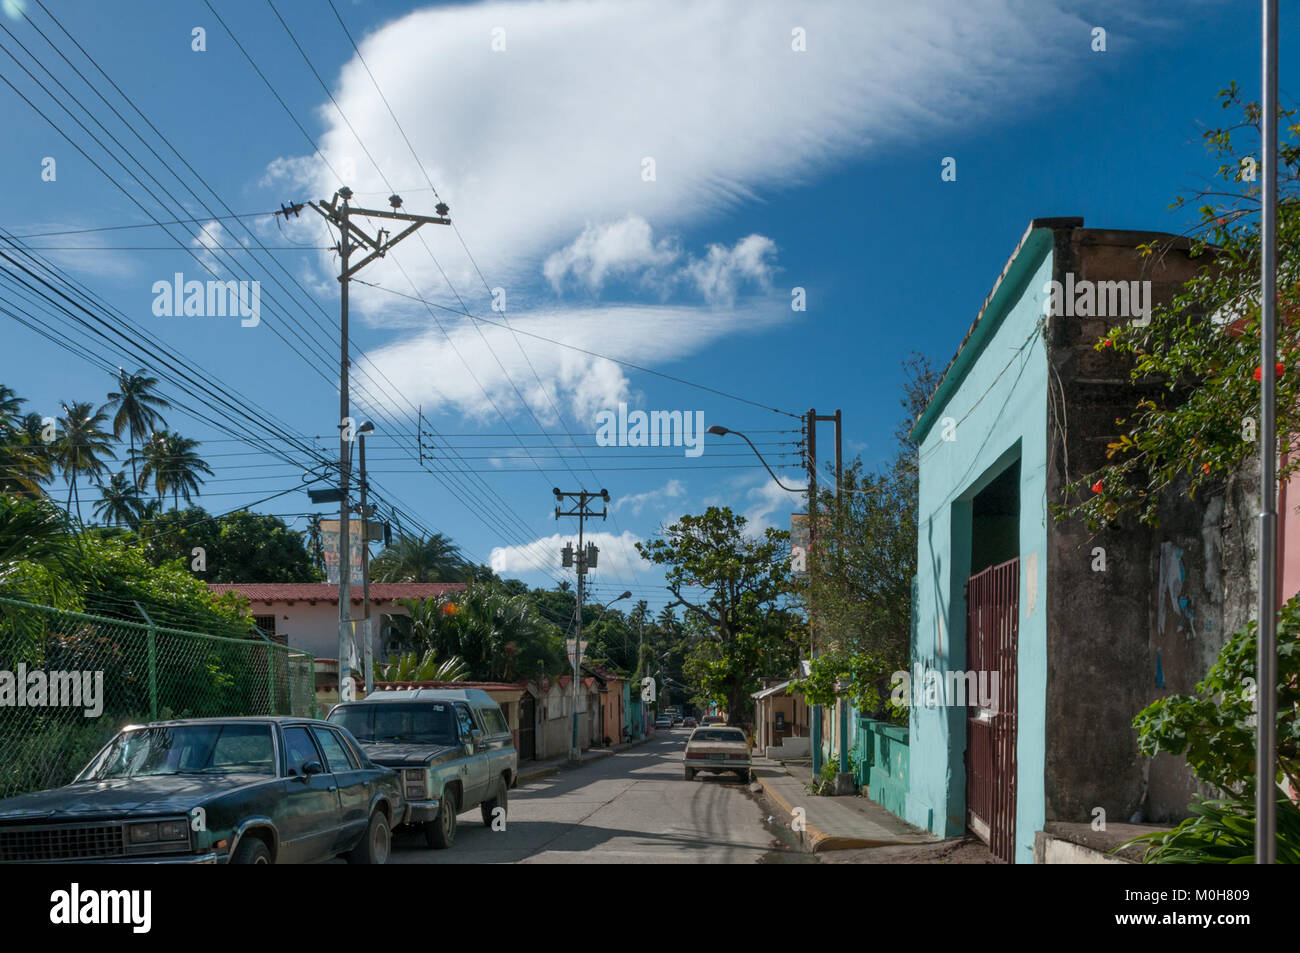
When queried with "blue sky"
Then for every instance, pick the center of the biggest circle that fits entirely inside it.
(773, 169)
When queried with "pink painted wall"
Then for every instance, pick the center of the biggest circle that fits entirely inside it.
(315, 628)
(1289, 537)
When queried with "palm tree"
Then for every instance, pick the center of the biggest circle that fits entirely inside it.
(10, 408)
(173, 466)
(24, 458)
(120, 503)
(411, 667)
(137, 409)
(32, 530)
(412, 559)
(81, 447)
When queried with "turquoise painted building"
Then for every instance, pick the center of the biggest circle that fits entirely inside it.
(1028, 663)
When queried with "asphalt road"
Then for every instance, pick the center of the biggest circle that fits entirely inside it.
(631, 807)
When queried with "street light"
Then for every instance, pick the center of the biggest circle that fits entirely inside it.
(811, 490)
(718, 431)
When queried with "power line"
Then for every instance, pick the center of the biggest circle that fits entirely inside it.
(478, 510)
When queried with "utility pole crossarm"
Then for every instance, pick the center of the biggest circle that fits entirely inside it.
(353, 237)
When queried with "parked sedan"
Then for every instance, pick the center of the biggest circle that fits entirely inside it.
(717, 749)
(213, 790)
(690, 723)
(663, 723)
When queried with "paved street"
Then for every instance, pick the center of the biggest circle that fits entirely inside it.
(631, 807)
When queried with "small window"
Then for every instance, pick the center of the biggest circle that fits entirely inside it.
(494, 720)
(266, 624)
(336, 755)
(301, 749)
(465, 721)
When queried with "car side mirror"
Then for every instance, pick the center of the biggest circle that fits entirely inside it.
(312, 767)
(476, 739)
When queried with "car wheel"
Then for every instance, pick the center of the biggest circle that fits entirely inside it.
(377, 843)
(744, 776)
(498, 801)
(440, 833)
(690, 774)
(251, 850)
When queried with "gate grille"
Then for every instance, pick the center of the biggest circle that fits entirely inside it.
(992, 636)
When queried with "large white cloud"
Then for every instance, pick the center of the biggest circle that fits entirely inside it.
(430, 367)
(618, 554)
(539, 145)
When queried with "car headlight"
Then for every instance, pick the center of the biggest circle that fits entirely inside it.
(173, 830)
(143, 833)
(415, 782)
(153, 832)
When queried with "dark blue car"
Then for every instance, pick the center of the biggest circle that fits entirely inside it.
(213, 790)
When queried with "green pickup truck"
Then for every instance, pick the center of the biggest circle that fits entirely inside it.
(452, 747)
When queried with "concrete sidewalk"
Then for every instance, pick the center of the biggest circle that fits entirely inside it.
(832, 823)
(532, 770)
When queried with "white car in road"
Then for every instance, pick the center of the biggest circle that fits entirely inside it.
(719, 749)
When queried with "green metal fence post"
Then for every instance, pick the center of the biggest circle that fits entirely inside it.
(153, 664)
(270, 679)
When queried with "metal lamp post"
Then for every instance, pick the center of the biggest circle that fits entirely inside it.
(811, 489)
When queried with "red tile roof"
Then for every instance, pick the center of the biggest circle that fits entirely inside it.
(328, 592)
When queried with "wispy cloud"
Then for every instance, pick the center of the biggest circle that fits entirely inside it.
(538, 122)
(672, 490)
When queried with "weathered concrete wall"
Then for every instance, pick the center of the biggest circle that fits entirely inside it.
(1152, 620)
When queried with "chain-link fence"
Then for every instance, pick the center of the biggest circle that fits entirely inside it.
(69, 681)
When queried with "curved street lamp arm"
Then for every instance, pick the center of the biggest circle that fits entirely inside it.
(789, 489)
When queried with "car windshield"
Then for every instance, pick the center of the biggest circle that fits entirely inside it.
(186, 749)
(718, 734)
(425, 723)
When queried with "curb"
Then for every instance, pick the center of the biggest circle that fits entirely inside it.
(813, 838)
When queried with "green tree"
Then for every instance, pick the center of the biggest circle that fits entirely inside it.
(859, 585)
(32, 532)
(238, 547)
(419, 559)
(500, 637)
(413, 667)
(24, 458)
(81, 446)
(136, 407)
(173, 465)
(736, 586)
(119, 502)
(1197, 360)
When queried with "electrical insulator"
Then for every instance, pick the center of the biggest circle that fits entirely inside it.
(591, 555)
(566, 556)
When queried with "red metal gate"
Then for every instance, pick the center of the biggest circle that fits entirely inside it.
(992, 636)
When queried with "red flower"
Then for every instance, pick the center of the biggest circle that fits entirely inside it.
(1107, 343)
(1096, 487)
(1278, 369)
(450, 609)
(1205, 468)
(1221, 221)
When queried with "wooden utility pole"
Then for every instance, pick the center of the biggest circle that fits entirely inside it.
(339, 213)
